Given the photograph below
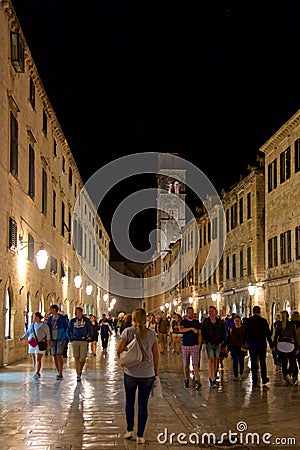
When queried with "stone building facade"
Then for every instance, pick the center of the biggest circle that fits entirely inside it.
(243, 257)
(282, 229)
(39, 187)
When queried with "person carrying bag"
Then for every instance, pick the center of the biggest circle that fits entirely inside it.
(140, 376)
(38, 334)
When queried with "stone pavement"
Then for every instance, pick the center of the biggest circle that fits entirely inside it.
(47, 414)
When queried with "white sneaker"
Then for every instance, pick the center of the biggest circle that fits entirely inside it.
(140, 440)
(128, 435)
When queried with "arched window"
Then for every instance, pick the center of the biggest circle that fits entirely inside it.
(7, 315)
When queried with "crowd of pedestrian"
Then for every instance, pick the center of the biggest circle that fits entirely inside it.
(187, 336)
(231, 336)
(57, 331)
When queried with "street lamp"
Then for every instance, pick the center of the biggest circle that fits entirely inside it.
(89, 289)
(251, 290)
(78, 281)
(41, 258)
(41, 255)
(214, 297)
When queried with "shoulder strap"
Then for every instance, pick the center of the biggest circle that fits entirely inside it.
(35, 332)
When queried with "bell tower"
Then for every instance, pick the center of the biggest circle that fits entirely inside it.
(171, 214)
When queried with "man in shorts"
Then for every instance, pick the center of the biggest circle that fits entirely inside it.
(213, 334)
(80, 332)
(191, 341)
(58, 333)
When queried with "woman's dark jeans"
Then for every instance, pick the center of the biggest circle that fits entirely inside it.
(238, 357)
(144, 386)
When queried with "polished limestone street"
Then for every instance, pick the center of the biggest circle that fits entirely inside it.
(49, 414)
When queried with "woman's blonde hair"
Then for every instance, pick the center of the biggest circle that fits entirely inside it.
(139, 320)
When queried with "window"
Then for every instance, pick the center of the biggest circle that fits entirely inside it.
(44, 191)
(297, 154)
(227, 267)
(77, 237)
(53, 265)
(285, 247)
(17, 52)
(241, 264)
(233, 215)
(31, 174)
(31, 92)
(54, 209)
(30, 252)
(297, 242)
(13, 235)
(69, 227)
(214, 228)
(272, 175)
(234, 265)
(208, 232)
(14, 136)
(249, 262)
(62, 271)
(62, 219)
(285, 165)
(227, 220)
(241, 210)
(63, 166)
(44, 123)
(272, 252)
(249, 205)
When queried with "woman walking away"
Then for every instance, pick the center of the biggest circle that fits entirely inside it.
(39, 331)
(287, 346)
(142, 375)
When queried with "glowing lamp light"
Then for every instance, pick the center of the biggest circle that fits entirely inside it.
(89, 289)
(162, 308)
(78, 281)
(251, 289)
(214, 297)
(105, 297)
(41, 259)
(167, 305)
(191, 300)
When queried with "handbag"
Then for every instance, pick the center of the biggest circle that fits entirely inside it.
(132, 354)
(285, 347)
(42, 344)
(156, 390)
(33, 342)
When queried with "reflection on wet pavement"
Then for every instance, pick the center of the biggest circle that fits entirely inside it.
(50, 414)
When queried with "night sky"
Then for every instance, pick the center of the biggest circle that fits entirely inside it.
(209, 80)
